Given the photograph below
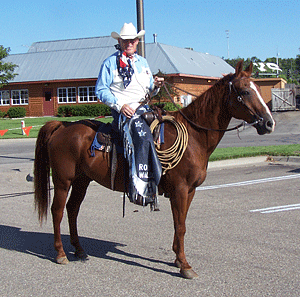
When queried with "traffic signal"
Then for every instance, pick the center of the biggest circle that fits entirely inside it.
(288, 74)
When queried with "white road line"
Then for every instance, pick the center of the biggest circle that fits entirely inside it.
(249, 182)
(277, 208)
(259, 181)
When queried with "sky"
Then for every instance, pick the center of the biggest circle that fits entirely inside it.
(228, 29)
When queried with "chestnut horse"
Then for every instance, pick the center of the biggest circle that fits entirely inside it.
(65, 148)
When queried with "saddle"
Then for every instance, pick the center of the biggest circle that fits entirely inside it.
(109, 140)
(157, 113)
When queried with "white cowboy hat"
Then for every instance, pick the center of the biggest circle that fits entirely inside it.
(128, 31)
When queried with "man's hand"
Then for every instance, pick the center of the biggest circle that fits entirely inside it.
(127, 111)
(158, 81)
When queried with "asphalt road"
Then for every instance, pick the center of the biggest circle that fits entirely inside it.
(236, 249)
(242, 236)
(287, 131)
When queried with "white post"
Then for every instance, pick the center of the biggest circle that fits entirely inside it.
(23, 126)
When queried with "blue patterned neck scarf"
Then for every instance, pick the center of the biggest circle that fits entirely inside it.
(124, 65)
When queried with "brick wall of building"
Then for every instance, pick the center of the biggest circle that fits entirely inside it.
(36, 91)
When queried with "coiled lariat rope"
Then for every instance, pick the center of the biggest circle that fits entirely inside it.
(170, 157)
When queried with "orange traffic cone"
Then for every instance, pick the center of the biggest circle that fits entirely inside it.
(27, 129)
(2, 132)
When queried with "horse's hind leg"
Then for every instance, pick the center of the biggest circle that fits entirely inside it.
(79, 187)
(61, 190)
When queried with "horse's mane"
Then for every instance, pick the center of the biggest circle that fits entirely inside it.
(210, 98)
(213, 94)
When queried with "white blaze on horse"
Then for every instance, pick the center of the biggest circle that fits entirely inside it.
(65, 148)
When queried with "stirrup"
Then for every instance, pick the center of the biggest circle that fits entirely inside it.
(144, 201)
(154, 206)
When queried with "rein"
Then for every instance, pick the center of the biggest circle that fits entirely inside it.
(240, 99)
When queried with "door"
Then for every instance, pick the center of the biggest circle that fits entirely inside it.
(48, 107)
(283, 99)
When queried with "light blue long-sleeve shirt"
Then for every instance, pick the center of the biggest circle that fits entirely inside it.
(110, 88)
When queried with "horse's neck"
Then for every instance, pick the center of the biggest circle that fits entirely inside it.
(210, 111)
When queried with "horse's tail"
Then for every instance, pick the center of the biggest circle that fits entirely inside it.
(42, 169)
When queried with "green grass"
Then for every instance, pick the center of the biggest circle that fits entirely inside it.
(252, 151)
(218, 154)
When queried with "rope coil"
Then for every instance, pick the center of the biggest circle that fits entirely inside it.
(170, 157)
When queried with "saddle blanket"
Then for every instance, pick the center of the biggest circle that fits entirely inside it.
(104, 139)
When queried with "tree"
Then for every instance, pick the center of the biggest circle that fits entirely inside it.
(6, 68)
(290, 68)
(297, 62)
(233, 62)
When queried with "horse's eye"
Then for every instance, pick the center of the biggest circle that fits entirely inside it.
(245, 93)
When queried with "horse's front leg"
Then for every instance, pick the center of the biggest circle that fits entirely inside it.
(180, 204)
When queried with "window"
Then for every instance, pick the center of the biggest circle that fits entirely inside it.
(185, 100)
(66, 95)
(4, 98)
(87, 94)
(19, 97)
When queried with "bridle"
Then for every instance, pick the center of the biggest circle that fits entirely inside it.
(239, 98)
(242, 101)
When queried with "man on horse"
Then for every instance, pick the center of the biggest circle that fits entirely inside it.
(125, 84)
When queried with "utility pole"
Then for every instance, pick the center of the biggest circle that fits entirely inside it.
(277, 63)
(227, 36)
(140, 26)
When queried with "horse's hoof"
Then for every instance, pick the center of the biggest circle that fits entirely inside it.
(81, 255)
(188, 273)
(62, 260)
(177, 263)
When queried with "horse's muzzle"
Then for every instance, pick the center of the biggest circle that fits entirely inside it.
(266, 125)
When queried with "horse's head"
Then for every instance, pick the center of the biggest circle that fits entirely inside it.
(245, 101)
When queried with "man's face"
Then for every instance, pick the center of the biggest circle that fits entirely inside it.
(129, 45)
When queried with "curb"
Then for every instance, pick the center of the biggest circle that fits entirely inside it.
(252, 161)
(293, 159)
(237, 162)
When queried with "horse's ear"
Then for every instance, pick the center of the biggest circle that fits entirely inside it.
(239, 67)
(249, 69)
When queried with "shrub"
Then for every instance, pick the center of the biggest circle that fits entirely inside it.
(16, 112)
(87, 110)
(103, 110)
(2, 114)
(64, 111)
(169, 106)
